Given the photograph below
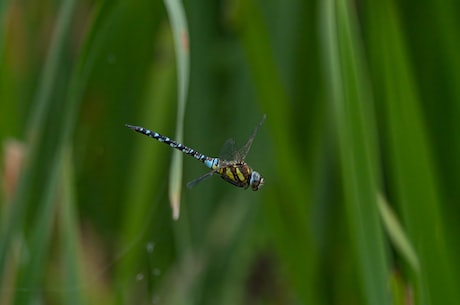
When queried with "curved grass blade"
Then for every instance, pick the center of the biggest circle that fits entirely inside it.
(181, 36)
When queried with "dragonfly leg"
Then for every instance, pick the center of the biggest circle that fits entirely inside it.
(199, 179)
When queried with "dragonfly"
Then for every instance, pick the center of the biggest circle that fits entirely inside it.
(232, 167)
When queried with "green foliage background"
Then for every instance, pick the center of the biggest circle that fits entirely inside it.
(359, 152)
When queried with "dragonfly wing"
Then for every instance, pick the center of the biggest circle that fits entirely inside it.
(199, 179)
(229, 151)
(245, 149)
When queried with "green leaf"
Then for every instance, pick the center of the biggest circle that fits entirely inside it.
(353, 111)
(181, 43)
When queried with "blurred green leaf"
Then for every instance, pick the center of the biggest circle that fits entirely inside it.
(397, 234)
(43, 106)
(352, 108)
(412, 175)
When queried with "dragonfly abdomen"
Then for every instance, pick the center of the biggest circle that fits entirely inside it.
(186, 150)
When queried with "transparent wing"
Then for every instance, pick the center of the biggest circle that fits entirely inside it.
(199, 179)
(242, 153)
(229, 151)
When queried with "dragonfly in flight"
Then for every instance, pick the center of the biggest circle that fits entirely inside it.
(232, 169)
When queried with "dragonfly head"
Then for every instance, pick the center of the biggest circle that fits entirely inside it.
(256, 181)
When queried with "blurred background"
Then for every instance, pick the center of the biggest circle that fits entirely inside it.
(360, 152)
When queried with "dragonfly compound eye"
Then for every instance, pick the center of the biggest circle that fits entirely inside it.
(257, 181)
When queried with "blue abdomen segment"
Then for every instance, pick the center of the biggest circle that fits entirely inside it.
(212, 163)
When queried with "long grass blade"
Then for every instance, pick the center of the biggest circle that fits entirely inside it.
(352, 108)
(181, 37)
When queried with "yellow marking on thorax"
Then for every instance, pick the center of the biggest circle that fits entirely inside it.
(229, 173)
(239, 174)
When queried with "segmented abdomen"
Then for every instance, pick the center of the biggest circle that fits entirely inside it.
(187, 150)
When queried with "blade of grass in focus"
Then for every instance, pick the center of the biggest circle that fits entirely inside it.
(352, 108)
(181, 40)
